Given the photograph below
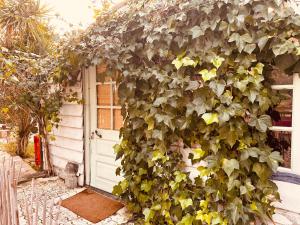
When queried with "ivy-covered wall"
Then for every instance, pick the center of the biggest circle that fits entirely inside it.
(196, 74)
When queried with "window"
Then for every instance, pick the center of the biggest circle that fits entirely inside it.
(108, 109)
(285, 132)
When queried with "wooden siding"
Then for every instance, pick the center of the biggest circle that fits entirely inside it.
(67, 145)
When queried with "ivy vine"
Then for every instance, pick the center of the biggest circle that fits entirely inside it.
(196, 81)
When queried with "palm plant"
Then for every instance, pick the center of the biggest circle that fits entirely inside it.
(23, 26)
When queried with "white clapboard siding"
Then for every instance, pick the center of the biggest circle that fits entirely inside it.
(76, 145)
(67, 145)
(71, 121)
(62, 153)
(71, 110)
(68, 132)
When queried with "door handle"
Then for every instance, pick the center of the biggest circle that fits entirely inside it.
(98, 134)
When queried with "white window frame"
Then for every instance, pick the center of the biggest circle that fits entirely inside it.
(111, 107)
(295, 129)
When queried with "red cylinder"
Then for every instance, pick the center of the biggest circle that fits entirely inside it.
(37, 150)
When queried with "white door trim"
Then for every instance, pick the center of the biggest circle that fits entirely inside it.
(89, 75)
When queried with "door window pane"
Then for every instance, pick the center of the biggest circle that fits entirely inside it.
(104, 120)
(281, 141)
(282, 113)
(116, 96)
(103, 94)
(280, 78)
(118, 119)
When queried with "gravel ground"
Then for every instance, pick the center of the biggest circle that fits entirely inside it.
(55, 190)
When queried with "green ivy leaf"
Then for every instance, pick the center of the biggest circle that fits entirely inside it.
(210, 118)
(230, 165)
(196, 32)
(146, 185)
(262, 123)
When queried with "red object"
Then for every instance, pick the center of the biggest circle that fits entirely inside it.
(37, 150)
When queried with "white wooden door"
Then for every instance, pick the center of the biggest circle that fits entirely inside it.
(286, 133)
(105, 123)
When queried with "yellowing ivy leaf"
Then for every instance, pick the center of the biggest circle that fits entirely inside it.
(186, 220)
(198, 153)
(148, 213)
(210, 118)
(208, 74)
(157, 154)
(146, 185)
(185, 203)
(177, 63)
(180, 176)
(187, 61)
(217, 61)
(253, 206)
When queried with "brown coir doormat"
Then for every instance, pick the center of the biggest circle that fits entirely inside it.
(91, 205)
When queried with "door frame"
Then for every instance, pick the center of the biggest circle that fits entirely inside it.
(89, 77)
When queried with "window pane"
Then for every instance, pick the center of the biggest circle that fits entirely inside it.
(280, 78)
(281, 141)
(103, 94)
(116, 96)
(104, 119)
(118, 119)
(282, 113)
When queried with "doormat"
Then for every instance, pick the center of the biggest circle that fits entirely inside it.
(92, 206)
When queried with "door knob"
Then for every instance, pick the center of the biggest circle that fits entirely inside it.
(98, 134)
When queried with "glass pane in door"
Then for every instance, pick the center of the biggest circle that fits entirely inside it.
(104, 119)
(281, 141)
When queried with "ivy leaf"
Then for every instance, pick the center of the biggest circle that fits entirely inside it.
(253, 206)
(210, 118)
(208, 74)
(124, 184)
(149, 214)
(230, 165)
(198, 153)
(177, 63)
(226, 98)
(160, 100)
(187, 61)
(185, 203)
(186, 220)
(249, 48)
(217, 61)
(217, 87)
(262, 123)
(261, 171)
(193, 85)
(146, 185)
(156, 155)
(196, 32)
(180, 176)
(243, 190)
(262, 42)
